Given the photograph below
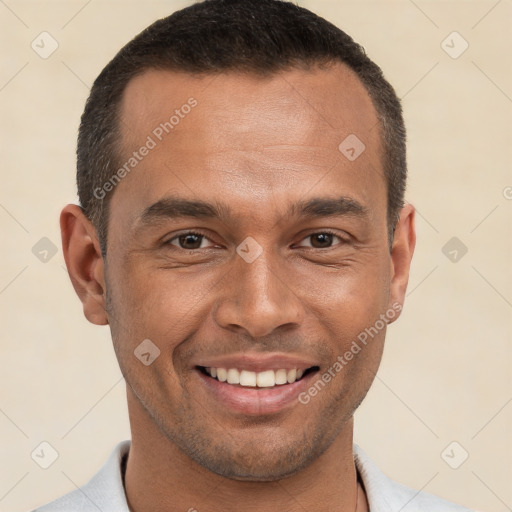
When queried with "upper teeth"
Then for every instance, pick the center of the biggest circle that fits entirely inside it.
(265, 379)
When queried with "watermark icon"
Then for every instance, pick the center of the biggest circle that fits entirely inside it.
(44, 455)
(507, 193)
(249, 249)
(152, 141)
(351, 147)
(44, 250)
(455, 455)
(146, 352)
(44, 45)
(454, 45)
(355, 348)
(454, 249)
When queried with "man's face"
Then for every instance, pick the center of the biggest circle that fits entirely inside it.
(264, 153)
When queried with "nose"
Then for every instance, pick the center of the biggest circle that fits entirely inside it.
(258, 298)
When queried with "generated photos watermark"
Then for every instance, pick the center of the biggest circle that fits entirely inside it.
(157, 135)
(357, 345)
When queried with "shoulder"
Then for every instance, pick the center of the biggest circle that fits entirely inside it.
(385, 495)
(105, 491)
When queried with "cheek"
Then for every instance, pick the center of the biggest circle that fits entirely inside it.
(160, 306)
(145, 331)
(349, 308)
(349, 297)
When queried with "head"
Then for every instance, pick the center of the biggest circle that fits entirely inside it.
(241, 172)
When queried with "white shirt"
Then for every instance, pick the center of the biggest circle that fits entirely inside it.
(105, 491)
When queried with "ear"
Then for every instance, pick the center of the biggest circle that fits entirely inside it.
(402, 250)
(84, 262)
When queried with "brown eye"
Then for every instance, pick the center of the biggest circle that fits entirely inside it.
(322, 240)
(189, 241)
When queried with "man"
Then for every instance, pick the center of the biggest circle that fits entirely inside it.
(242, 230)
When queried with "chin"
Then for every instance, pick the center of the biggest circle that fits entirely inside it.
(257, 462)
(264, 471)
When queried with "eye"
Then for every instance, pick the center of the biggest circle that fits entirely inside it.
(322, 240)
(189, 241)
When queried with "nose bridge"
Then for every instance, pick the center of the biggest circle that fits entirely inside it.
(258, 299)
(260, 282)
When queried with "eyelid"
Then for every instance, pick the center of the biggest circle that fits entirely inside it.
(328, 232)
(184, 233)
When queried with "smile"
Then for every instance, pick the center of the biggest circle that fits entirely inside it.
(263, 379)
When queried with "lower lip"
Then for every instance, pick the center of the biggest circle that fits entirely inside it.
(256, 401)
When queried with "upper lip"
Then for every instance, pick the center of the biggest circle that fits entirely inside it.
(258, 362)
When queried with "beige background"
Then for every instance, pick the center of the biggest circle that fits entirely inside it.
(446, 373)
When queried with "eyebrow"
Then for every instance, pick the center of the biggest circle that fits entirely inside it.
(317, 207)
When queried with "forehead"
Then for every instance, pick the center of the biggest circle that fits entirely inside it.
(264, 133)
(332, 99)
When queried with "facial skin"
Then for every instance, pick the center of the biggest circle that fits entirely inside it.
(260, 148)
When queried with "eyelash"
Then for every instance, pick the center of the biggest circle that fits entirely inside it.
(199, 234)
(185, 233)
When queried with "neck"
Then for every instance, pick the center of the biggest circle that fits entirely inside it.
(160, 477)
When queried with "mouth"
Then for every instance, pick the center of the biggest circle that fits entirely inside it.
(254, 393)
(263, 379)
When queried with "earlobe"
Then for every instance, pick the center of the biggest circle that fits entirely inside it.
(401, 255)
(84, 262)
